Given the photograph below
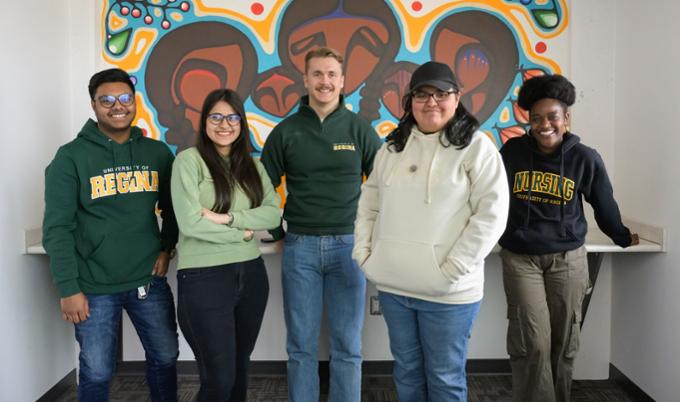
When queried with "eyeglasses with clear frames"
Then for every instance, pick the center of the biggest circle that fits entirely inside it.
(438, 96)
(217, 118)
(108, 101)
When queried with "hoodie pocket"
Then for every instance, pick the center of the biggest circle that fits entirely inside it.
(123, 257)
(407, 266)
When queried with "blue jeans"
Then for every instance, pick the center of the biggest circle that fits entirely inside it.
(220, 312)
(154, 321)
(318, 271)
(429, 344)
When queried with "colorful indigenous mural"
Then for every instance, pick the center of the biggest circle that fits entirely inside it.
(178, 51)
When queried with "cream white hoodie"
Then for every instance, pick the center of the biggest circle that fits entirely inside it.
(429, 215)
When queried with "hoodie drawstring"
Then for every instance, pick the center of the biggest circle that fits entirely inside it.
(531, 185)
(428, 192)
(399, 162)
(563, 230)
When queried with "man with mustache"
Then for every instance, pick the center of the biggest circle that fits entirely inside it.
(324, 150)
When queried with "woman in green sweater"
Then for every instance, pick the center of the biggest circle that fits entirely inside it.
(221, 195)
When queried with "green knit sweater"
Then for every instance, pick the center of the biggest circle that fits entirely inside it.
(203, 243)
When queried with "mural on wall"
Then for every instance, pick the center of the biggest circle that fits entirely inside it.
(178, 51)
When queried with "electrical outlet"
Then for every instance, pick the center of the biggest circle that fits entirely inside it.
(374, 306)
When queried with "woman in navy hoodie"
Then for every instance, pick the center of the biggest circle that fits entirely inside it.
(545, 270)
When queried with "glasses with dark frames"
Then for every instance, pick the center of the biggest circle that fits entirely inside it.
(438, 96)
(217, 118)
(108, 101)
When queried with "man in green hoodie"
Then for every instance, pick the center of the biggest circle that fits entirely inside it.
(324, 150)
(106, 250)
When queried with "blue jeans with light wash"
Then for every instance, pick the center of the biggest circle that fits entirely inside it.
(319, 271)
(429, 344)
(154, 321)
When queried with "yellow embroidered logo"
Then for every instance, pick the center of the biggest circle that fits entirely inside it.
(346, 146)
(123, 182)
(544, 183)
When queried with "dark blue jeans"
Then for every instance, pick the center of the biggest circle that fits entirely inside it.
(220, 312)
(154, 321)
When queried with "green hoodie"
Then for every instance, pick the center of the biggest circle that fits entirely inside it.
(324, 163)
(100, 227)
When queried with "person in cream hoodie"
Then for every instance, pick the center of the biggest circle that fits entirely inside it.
(430, 212)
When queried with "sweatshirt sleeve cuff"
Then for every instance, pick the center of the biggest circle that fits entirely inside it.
(451, 271)
(278, 233)
(360, 255)
(68, 288)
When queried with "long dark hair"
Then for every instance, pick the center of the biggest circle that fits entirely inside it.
(458, 131)
(240, 170)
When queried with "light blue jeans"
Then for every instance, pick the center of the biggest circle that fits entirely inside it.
(429, 344)
(319, 271)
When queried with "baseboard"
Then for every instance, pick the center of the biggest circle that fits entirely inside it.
(278, 367)
(628, 385)
(59, 388)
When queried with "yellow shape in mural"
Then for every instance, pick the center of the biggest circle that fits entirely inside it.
(384, 128)
(260, 127)
(505, 115)
(116, 23)
(417, 22)
(259, 16)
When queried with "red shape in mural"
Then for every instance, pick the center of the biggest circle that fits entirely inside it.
(257, 8)
(521, 115)
(511, 132)
(276, 92)
(417, 6)
(541, 47)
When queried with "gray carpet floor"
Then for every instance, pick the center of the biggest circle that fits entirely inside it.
(482, 388)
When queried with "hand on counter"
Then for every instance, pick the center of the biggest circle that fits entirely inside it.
(634, 239)
(75, 308)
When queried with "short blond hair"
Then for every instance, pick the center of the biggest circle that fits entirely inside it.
(322, 52)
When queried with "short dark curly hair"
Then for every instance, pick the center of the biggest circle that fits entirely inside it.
(106, 76)
(546, 86)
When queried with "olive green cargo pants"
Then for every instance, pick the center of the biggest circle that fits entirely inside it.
(544, 295)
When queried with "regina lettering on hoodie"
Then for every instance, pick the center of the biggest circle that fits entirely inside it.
(133, 181)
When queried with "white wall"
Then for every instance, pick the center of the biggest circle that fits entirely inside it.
(645, 313)
(592, 34)
(36, 346)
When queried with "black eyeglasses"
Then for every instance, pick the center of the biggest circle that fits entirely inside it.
(217, 118)
(108, 101)
(438, 96)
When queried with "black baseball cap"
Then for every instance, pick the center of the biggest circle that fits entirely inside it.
(434, 74)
